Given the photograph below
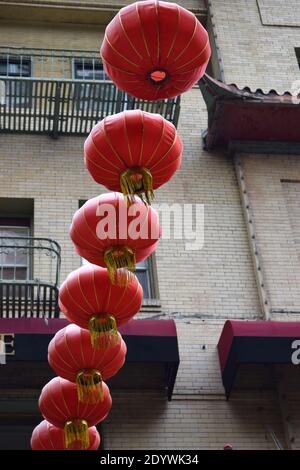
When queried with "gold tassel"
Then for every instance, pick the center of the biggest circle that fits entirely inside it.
(119, 257)
(89, 386)
(123, 277)
(136, 181)
(76, 434)
(104, 332)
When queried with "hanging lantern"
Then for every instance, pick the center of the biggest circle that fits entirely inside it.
(71, 356)
(107, 232)
(60, 406)
(155, 50)
(133, 152)
(88, 298)
(45, 436)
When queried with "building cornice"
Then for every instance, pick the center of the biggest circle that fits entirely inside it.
(242, 120)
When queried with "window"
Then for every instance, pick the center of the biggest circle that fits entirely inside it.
(88, 96)
(15, 92)
(14, 256)
(89, 70)
(144, 274)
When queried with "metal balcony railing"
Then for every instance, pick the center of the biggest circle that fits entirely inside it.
(68, 107)
(62, 92)
(29, 277)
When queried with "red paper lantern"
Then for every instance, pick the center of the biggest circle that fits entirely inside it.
(133, 152)
(109, 233)
(88, 298)
(45, 436)
(71, 356)
(155, 50)
(60, 406)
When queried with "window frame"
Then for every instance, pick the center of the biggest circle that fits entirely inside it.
(22, 97)
(15, 223)
(78, 60)
(151, 271)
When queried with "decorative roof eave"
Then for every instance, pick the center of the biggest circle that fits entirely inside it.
(240, 119)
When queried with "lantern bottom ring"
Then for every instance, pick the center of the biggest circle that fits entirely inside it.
(136, 181)
(158, 76)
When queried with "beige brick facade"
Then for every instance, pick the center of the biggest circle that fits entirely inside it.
(273, 186)
(254, 54)
(200, 289)
(189, 4)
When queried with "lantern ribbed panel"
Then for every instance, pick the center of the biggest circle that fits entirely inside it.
(132, 140)
(150, 36)
(71, 351)
(88, 291)
(89, 223)
(59, 403)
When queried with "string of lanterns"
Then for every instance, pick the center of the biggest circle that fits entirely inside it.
(152, 50)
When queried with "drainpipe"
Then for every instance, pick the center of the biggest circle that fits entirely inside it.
(213, 38)
(256, 257)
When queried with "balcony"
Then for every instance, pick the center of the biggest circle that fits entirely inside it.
(29, 277)
(60, 92)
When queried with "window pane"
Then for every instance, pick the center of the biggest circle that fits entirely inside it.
(144, 280)
(143, 274)
(11, 274)
(17, 94)
(142, 264)
(15, 66)
(14, 257)
(89, 70)
(14, 231)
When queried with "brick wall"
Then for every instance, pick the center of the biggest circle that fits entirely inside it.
(58, 36)
(274, 191)
(255, 55)
(191, 422)
(190, 4)
(279, 12)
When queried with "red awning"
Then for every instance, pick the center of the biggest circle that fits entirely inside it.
(254, 342)
(151, 362)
